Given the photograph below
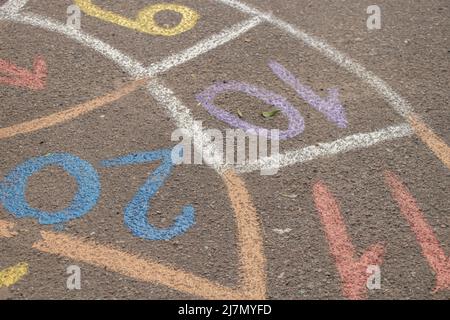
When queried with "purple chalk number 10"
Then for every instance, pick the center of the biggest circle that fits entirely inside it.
(330, 107)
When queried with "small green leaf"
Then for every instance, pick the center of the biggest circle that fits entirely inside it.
(270, 114)
(239, 113)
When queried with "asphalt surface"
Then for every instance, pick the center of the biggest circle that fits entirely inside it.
(254, 236)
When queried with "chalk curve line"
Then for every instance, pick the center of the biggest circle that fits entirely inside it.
(71, 113)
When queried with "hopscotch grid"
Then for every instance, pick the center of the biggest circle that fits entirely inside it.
(166, 96)
(182, 114)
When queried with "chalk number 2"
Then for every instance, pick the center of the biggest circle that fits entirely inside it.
(135, 214)
(12, 192)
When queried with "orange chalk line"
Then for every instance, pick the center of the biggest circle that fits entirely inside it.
(72, 113)
(6, 229)
(253, 262)
(131, 265)
(251, 255)
(435, 143)
(425, 235)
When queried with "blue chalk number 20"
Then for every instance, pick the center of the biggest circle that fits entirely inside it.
(12, 192)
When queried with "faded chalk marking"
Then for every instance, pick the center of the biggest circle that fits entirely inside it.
(71, 113)
(12, 275)
(330, 107)
(128, 64)
(6, 229)
(177, 110)
(34, 79)
(13, 6)
(183, 119)
(347, 144)
(436, 144)
(351, 269)
(431, 248)
(145, 20)
(180, 113)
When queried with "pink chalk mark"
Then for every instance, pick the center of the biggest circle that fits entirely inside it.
(34, 79)
(431, 248)
(353, 271)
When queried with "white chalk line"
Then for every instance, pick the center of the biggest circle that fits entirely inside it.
(204, 46)
(131, 66)
(184, 120)
(400, 105)
(14, 6)
(180, 113)
(323, 150)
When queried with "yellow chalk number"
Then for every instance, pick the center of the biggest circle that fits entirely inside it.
(145, 20)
